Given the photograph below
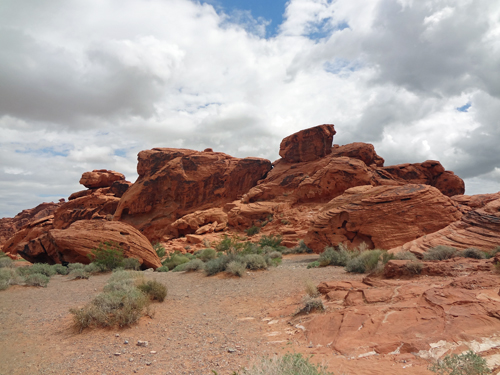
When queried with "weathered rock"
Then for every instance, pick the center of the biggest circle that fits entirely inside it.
(478, 228)
(28, 233)
(175, 182)
(118, 188)
(245, 215)
(9, 226)
(467, 203)
(426, 316)
(192, 223)
(308, 144)
(430, 172)
(359, 150)
(100, 178)
(451, 267)
(76, 242)
(383, 217)
(88, 207)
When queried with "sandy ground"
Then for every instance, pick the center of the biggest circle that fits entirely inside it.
(206, 324)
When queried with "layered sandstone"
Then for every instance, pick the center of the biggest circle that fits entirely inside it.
(175, 182)
(382, 217)
(100, 178)
(308, 144)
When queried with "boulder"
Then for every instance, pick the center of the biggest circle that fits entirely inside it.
(192, 223)
(479, 228)
(28, 233)
(99, 178)
(175, 182)
(467, 203)
(359, 150)
(76, 242)
(308, 144)
(383, 216)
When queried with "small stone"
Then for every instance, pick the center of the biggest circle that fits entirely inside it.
(117, 354)
(148, 363)
(231, 350)
(131, 359)
(153, 352)
(142, 343)
(117, 335)
(125, 342)
(149, 270)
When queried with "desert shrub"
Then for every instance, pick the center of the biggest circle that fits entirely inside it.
(440, 253)
(162, 269)
(252, 230)
(275, 254)
(131, 264)
(174, 260)
(472, 253)
(289, 364)
(78, 273)
(311, 289)
(468, 363)
(367, 261)
(255, 262)
(125, 275)
(9, 276)
(405, 255)
(328, 257)
(194, 265)
(108, 254)
(120, 285)
(93, 268)
(59, 269)
(153, 289)
(43, 268)
(75, 266)
(215, 266)
(207, 254)
(310, 304)
(314, 264)
(159, 249)
(299, 249)
(6, 262)
(4, 284)
(252, 248)
(272, 241)
(36, 279)
(415, 267)
(236, 268)
(228, 244)
(2, 255)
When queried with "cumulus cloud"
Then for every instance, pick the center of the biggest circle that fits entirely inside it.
(87, 84)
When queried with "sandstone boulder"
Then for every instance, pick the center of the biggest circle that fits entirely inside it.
(99, 178)
(76, 242)
(175, 182)
(359, 150)
(192, 223)
(478, 228)
(308, 144)
(383, 217)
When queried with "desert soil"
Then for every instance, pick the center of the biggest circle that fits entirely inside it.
(206, 325)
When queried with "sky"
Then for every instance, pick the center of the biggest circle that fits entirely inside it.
(87, 84)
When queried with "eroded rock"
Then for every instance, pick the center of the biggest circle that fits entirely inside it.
(99, 178)
(308, 144)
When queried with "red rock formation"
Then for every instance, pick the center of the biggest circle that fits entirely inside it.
(43, 244)
(358, 150)
(176, 182)
(308, 144)
(9, 226)
(467, 203)
(383, 217)
(451, 267)
(193, 223)
(427, 316)
(99, 178)
(478, 228)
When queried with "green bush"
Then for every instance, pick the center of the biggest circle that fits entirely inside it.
(228, 244)
(174, 260)
(314, 264)
(415, 267)
(43, 268)
(78, 273)
(59, 269)
(207, 254)
(9, 276)
(162, 269)
(472, 253)
(468, 363)
(252, 230)
(37, 279)
(6, 262)
(272, 241)
(2, 255)
(194, 265)
(310, 304)
(94, 268)
(333, 257)
(367, 261)
(108, 254)
(405, 255)
(131, 264)
(125, 275)
(440, 253)
(255, 262)
(215, 266)
(153, 289)
(236, 268)
(299, 249)
(289, 364)
(159, 249)
(75, 266)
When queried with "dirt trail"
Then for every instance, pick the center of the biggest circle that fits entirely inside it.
(215, 323)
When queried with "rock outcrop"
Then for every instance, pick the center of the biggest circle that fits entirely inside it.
(478, 228)
(43, 244)
(424, 316)
(100, 178)
(383, 217)
(308, 144)
(175, 182)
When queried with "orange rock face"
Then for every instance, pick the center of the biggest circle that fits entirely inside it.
(383, 217)
(308, 144)
(176, 182)
(478, 228)
(76, 242)
(427, 316)
(99, 178)
(358, 150)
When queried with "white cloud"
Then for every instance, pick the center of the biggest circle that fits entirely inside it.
(87, 84)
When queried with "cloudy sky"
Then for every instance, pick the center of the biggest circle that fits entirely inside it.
(87, 84)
